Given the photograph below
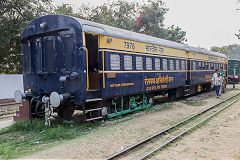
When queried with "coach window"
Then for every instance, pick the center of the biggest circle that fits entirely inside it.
(165, 64)
(139, 63)
(38, 46)
(157, 64)
(115, 61)
(204, 65)
(28, 60)
(194, 66)
(212, 66)
(183, 65)
(148, 63)
(177, 65)
(127, 62)
(208, 66)
(49, 53)
(199, 65)
(171, 64)
(68, 51)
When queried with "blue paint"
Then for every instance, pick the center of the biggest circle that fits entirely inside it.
(51, 54)
(55, 52)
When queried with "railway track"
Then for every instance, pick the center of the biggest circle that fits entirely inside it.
(8, 102)
(147, 147)
(8, 108)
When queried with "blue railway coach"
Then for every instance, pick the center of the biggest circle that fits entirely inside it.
(70, 63)
(233, 70)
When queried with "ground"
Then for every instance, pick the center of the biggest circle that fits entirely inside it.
(5, 123)
(218, 139)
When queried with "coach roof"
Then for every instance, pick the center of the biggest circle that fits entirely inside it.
(60, 22)
(97, 28)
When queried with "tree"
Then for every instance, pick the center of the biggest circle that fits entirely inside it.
(65, 9)
(231, 51)
(14, 16)
(147, 18)
(117, 14)
(238, 35)
(234, 50)
(175, 34)
(151, 19)
(223, 50)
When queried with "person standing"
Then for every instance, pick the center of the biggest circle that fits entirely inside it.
(213, 78)
(222, 88)
(218, 83)
(222, 74)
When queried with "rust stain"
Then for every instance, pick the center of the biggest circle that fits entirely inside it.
(111, 75)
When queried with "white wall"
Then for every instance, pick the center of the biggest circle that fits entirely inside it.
(9, 83)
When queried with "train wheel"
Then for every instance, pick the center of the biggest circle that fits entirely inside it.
(66, 112)
(171, 94)
(208, 87)
(92, 112)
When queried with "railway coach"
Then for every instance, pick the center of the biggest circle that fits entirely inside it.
(233, 70)
(70, 63)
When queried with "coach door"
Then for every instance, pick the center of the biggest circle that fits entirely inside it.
(188, 68)
(92, 61)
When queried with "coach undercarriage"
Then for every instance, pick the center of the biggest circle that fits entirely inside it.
(103, 109)
(118, 106)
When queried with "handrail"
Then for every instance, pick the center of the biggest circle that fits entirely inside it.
(87, 69)
(103, 71)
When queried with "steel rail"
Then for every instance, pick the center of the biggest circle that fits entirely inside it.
(186, 131)
(6, 100)
(8, 104)
(124, 151)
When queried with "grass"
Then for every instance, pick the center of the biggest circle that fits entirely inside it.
(24, 137)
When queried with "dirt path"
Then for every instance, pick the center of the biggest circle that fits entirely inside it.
(218, 139)
(103, 142)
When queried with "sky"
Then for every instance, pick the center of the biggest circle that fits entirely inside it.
(207, 22)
